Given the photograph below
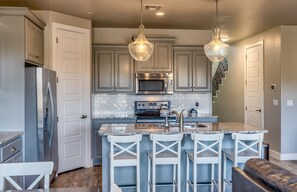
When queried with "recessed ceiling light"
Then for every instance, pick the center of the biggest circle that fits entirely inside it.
(160, 13)
(91, 12)
(225, 38)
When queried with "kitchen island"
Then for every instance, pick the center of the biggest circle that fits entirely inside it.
(127, 175)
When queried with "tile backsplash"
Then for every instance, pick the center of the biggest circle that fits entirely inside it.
(123, 104)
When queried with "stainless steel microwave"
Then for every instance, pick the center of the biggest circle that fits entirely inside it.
(154, 83)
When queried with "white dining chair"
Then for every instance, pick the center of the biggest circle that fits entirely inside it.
(166, 151)
(115, 188)
(207, 150)
(40, 169)
(124, 152)
(246, 146)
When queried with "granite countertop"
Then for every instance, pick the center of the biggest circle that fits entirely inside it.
(132, 116)
(6, 136)
(114, 116)
(146, 128)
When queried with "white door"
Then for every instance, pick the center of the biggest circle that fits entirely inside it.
(254, 85)
(72, 64)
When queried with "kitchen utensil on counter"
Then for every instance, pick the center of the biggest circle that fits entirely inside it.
(193, 112)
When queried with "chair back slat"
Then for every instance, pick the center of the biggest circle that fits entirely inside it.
(208, 143)
(248, 143)
(40, 169)
(166, 144)
(124, 145)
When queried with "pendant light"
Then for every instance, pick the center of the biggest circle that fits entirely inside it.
(141, 49)
(216, 50)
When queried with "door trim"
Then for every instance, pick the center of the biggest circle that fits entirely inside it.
(87, 33)
(259, 43)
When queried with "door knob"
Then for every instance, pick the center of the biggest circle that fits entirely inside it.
(258, 110)
(83, 116)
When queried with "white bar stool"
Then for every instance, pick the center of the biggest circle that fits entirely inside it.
(124, 152)
(207, 150)
(246, 146)
(166, 151)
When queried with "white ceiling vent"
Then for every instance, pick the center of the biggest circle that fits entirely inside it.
(153, 7)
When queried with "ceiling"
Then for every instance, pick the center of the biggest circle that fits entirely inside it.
(238, 18)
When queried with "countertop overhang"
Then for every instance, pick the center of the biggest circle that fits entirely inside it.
(146, 129)
(6, 136)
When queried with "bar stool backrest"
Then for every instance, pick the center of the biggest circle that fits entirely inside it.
(166, 145)
(124, 146)
(40, 169)
(247, 145)
(207, 144)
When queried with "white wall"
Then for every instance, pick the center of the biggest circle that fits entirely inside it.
(288, 92)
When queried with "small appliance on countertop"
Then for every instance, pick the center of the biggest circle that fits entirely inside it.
(193, 112)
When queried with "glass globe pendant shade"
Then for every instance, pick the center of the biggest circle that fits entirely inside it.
(216, 50)
(141, 49)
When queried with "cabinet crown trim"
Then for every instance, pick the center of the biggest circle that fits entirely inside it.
(22, 11)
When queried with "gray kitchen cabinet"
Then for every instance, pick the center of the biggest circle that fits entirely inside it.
(191, 70)
(11, 152)
(113, 69)
(33, 43)
(97, 139)
(161, 59)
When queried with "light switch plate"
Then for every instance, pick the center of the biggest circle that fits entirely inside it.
(275, 102)
(290, 103)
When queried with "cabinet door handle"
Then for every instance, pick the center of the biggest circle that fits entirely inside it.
(258, 110)
(83, 116)
(37, 57)
(13, 149)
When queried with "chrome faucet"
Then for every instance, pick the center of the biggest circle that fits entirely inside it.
(179, 118)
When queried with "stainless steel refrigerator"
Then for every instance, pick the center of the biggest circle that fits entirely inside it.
(41, 139)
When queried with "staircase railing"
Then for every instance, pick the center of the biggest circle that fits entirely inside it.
(218, 77)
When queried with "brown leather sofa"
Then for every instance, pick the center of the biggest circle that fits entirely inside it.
(260, 175)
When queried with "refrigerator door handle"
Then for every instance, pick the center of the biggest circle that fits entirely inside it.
(52, 113)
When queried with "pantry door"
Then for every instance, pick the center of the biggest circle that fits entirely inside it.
(71, 49)
(254, 110)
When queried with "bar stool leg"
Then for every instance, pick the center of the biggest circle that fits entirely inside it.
(178, 178)
(138, 178)
(225, 172)
(187, 173)
(219, 177)
(212, 177)
(194, 177)
(111, 175)
(154, 177)
(149, 174)
(174, 178)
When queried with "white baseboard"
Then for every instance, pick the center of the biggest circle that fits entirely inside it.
(282, 156)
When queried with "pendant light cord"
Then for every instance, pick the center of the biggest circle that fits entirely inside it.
(217, 12)
(141, 12)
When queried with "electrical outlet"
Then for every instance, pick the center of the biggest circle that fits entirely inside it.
(275, 102)
(290, 103)
(197, 104)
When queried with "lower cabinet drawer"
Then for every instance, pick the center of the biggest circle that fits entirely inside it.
(10, 149)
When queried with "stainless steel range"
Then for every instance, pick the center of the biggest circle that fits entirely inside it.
(149, 111)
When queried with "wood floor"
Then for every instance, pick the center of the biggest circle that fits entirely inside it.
(91, 177)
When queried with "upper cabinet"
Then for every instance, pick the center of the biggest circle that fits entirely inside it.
(33, 43)
(113, 69)
(192, 70)
(161, 59)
